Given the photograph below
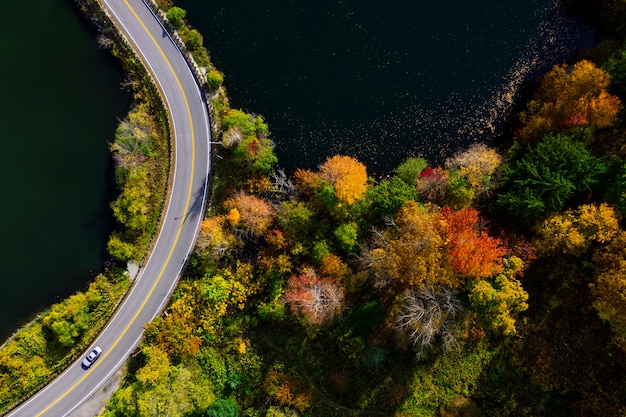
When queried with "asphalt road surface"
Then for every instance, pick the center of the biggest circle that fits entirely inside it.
(157, 279)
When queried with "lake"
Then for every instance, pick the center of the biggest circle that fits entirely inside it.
(381, 80)
(59, 106)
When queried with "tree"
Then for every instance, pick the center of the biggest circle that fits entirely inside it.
(427, 313)
(157, 366)
(389, 196)
(415, 254)
(432, 184)
(409, 170)
(347, 175)
(317, 300)
(609, 288)
(499, 299)
(176, 15)
(346, 235)
(223, 408)
(545, 176)
(574, 231)
(214, 238)
(69, 319)
(257, 154)
(570, 97)
(477, 165)
(256, 213)
(132, 206)
(473, 253)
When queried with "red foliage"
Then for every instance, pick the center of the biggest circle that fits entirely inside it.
(316, 299)
(473, 253)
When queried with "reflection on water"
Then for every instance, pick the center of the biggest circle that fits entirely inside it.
(382, 81)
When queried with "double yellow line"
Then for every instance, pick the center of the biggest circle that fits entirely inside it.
(167, 261)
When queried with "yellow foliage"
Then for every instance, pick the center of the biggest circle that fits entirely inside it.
(416, 251)
(497, 300)
(575, 230)
(609, 288)
(476, 164)
(233, 217)
(157, 366)
(347, 175)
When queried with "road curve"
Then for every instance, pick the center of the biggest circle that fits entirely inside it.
(184, 211)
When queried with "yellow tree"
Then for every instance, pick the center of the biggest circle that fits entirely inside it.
(570, 97)
(574, 231)
(609, 288)
(347, 175)
(415, 253)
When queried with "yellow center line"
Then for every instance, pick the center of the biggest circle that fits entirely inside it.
(180, 227)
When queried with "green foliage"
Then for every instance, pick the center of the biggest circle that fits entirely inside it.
(51, 342)
(176, 15)
(257, 154)
(223, 408)
(615, 189)
(131, 207)
(459, 193)
(215, 79)
(389, 196)
(193, 39)
(546, 176)
(297, 219)
(320, 250)
(248, 124)
(346, 235)
(410, 169)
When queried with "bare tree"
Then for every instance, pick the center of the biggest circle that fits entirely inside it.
(282, 184)
(427, 313)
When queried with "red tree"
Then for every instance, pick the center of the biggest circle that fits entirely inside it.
(316, 299)
(473, 253)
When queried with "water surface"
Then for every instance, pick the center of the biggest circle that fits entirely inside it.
(59, 107)
(381, 80)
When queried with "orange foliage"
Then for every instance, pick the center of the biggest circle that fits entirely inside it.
(256, 213)
(347, 175)
(307, 182)
(569, 97)
(287, 391)
(473, 254)
(333, 266)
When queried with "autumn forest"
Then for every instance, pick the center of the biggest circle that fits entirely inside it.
(492, 284)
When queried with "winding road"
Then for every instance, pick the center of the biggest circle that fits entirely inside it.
(184, 211)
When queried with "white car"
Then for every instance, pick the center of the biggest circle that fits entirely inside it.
(91, 357)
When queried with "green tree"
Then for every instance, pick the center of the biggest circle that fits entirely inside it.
(389, 196)
(409, 170)
(346, 235)
(176, 15)
(223, 408)
(545, 176)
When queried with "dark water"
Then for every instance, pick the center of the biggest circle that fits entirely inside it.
(59, 104)
(381, 80)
